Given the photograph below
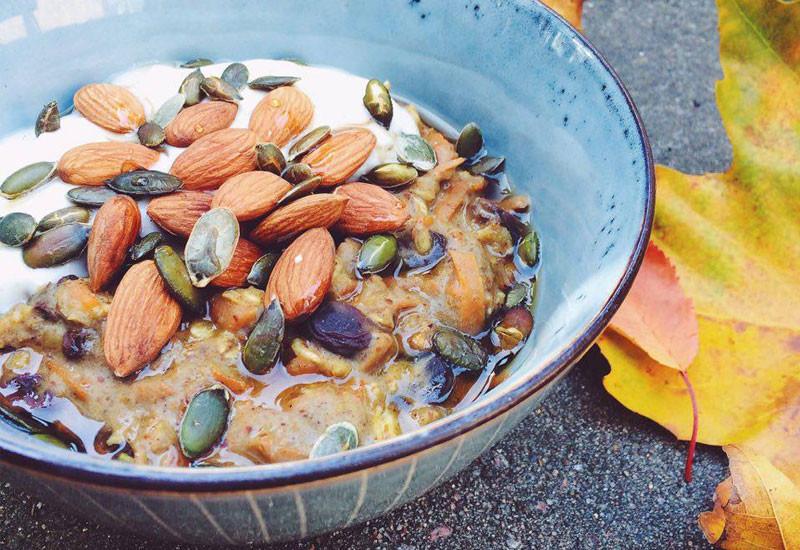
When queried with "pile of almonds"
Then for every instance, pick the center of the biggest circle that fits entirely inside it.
(226, 183)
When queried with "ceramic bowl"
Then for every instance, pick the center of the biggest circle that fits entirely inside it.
(545, 99)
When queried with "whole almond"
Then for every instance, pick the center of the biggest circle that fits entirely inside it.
(302, 275)
(214, 158)
(371, 209)
(244, 256)
(252, 194)
(142, 319)
(321, 210)
(114, 230)
(199, 120)
(110, 106)
(94, 163)
(281, 115)
(339, 156)
(178, 212)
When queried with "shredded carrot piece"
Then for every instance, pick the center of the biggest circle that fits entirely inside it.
(234, 384)
(467, 294)
(451, 199)
(68, 378)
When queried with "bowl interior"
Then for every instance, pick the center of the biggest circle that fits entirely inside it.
(543, 98)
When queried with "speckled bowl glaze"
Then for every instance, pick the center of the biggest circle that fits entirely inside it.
(545, 99)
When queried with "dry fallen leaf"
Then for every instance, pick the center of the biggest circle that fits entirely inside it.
(733, 239)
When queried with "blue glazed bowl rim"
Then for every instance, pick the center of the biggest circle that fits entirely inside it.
(72, 466)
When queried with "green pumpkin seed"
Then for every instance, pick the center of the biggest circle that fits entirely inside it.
(470, 141)
(236, 74)
(17, 228)
(49, 119)
(169, 110)
(190, 88)
(57, 246)
(211, 244)
(264, 343)
(269, 83)
(488, 166)
(378, 102)
(27, 179)
(391, 174)
(151, 134)
(376, 254)
(270, 158)
(302, 189)
(51, 440)
(197, 62)
(339, 437)
(204, 422)
(261, 270)
(518, 294)
(70, 214)
(216, 88)
(297, 172)
(412, 149)
(90, 195)
(308, 142)
(459, 349)
(145, 247)
(528, 249)
(142, 183)
(174, 273)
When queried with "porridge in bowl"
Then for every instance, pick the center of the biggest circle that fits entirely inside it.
(279, 262)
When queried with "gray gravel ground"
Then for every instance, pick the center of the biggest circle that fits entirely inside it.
(582, 471)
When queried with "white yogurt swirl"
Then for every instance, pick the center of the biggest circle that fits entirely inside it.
(336, 95)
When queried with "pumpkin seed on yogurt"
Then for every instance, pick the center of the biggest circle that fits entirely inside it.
(518, 295)
(190, 88)
(308, 142)
(470, 141)
(216, 88)
(151, 134)
(391, 174)
(17, 228)
(376, 254)
(204, 422)
(197, 62)
(56, 246)
(173, 271)
(211, 244)
(62, 216)
(49, 119)
(378, 102)
(269, 83)
(27, 179)
(337, 438)
(414, 150)
(297, 172)
(261, 270)
(141, 183)
(270, 158)
(488, 166)
(236, 74)
(90, 195)
(169, 110)
(305, 187)
(145, 247)
(261, 350)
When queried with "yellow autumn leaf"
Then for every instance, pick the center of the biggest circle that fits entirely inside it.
(734, 239)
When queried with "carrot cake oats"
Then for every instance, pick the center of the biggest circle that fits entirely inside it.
(246, 263)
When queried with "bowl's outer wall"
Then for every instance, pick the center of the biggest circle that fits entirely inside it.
(542, 97)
